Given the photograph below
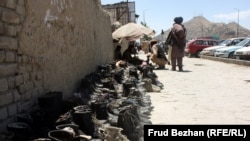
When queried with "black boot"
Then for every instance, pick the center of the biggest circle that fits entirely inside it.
(173, 68)
(180, 68)
(59, 135)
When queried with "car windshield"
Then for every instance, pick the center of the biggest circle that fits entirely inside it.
(244, 42)
(225, 42)
(247, 44)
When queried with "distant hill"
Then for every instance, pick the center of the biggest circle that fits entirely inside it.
(201, 27)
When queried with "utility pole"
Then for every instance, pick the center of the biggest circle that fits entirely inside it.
(128, 12)
(238, 22)
(144, 21)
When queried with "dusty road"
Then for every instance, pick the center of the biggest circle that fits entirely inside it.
(207, 92)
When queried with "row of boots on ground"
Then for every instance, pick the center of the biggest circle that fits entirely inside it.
(111, 104)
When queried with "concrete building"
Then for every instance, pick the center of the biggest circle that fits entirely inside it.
(123, 12)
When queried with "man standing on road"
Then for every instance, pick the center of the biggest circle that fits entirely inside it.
(178, 43)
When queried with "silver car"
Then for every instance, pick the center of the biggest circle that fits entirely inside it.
(228, 52)
(226, 43)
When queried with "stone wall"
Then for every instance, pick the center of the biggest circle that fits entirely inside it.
(48, 45)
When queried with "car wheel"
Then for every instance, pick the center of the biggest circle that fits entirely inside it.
(231, 55)
(198, 54)
(189, 55)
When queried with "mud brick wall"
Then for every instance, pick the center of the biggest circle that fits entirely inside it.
(48, 45)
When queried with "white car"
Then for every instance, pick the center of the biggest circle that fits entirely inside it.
(228, 52)
(243, 53)
(226, 43)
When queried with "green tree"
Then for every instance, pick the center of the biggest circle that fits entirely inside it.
(146, 37)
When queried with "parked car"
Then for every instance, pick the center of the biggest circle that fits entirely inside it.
(195, 46)
(226, 43)
(243, 53)
(228, 52)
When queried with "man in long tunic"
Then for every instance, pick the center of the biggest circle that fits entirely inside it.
(178, 43)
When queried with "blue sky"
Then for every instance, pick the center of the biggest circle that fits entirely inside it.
(159, 14)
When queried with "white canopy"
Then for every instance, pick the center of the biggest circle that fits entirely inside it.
(131, 32)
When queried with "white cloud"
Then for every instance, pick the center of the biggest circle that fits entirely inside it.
(234, 15)
(245, 14)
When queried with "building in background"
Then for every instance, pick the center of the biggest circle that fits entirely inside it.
(120, 14)
(123, 12)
